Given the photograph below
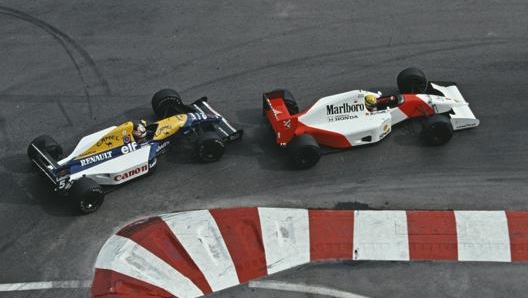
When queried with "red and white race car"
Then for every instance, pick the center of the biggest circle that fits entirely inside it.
(360, 117)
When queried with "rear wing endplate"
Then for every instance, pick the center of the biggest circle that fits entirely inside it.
(224, 129)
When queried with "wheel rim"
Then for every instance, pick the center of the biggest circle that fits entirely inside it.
(211, 151)
(90, 203)
(307, 157)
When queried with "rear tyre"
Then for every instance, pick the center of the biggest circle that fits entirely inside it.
(209, 147)
(304, 151)
(411, 80)
(437, 131)
(166, 102)
(47, 144)
(87, 195)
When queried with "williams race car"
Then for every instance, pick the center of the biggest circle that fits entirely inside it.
(359, 117)
(118, 154)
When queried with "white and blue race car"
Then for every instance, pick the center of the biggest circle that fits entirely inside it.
(114, 155)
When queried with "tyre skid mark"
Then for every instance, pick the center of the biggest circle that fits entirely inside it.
(70, 47)
(364, 50)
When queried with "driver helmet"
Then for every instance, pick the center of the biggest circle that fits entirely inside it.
(140, 131)
(370, 101)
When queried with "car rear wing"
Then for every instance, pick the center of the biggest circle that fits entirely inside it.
(224, 129)
(275, 110)
(47, 164)
(461, 117)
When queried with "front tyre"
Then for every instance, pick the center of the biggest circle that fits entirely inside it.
(87, 195)
(304, 151)
(209, 147)
(437, 130)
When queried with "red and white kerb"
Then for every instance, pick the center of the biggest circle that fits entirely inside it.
(194, 253)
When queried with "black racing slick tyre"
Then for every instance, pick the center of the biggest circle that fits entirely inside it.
(47, 144)
(304, 151)
(209, 147)
(87, 195)
(411, 80)
(166, 102)
(437, 130)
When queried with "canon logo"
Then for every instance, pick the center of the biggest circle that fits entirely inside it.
(131, 173)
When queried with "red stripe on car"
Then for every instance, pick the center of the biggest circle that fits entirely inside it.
(413, 106)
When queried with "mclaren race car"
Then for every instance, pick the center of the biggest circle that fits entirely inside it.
(360, 117)
(118, 154)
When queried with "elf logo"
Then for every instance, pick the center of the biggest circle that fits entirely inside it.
(130, 147)
(132, 173)
(344, 108)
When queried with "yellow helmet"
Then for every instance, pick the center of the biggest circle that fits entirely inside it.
(370, 101)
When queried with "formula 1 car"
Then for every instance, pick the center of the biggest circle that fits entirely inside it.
(114, 155)
(344, 120)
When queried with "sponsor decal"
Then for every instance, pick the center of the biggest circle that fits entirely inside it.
(162, 146)
(344, 108)
(165, 129)
(153, 163)
(96, 158)
(287, 123)
(342, 112)
(130, 147)
(131, 173)
(108, 140)
(386, 130)
(342, 117)
(467, 125)
(126, 137)
(234, 136)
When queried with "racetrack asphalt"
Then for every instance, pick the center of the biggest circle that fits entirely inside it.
(73, 67)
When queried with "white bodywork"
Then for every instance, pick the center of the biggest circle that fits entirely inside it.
(345, 114)
(120, 169)
(85, 143)
(461, 117)
(354, 123)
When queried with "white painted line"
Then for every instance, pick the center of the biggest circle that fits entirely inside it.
(301, 288)
(45, 285)
(125, 256)
(198, 233)
(483, 236)
(380, 235)
(285, 234)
